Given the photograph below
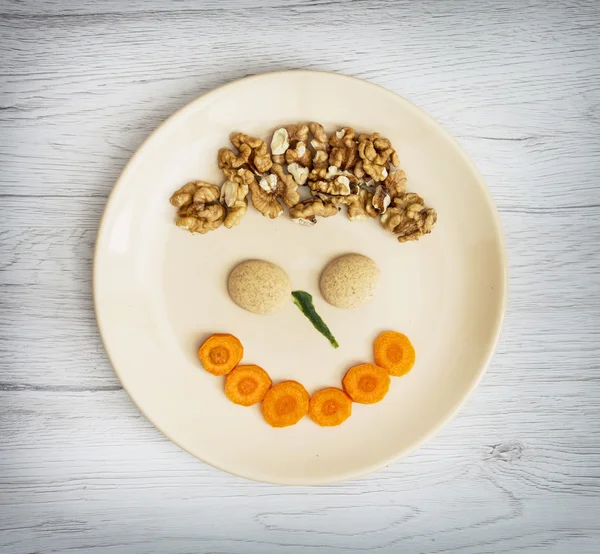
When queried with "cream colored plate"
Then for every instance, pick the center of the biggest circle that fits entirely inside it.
(160, 291)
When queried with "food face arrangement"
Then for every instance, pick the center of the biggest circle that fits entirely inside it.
(361, 172)
(264, 288)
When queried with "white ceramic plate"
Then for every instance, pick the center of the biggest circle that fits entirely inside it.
(160, 291)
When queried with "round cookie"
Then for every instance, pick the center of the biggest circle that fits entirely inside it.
(349, 281)
(259, 287)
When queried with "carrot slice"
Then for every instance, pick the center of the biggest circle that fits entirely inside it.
(366, 383)
(330, 407)
(285, 404)
(220, 354)
(394, 352)
(247, 384)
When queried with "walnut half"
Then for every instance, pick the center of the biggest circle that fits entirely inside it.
(340, 186)
(280, 142)
(360, 206)
(376, 154)
(408, 217)
(395, 183)
(253, 150)
(272, 187)
(199, 208)
(343, 149)
(306, 213)
(320, 144)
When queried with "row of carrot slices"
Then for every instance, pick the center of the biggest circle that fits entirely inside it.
(286, 403)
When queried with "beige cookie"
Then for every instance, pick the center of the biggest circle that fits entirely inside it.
(259, 287)
(349, 281)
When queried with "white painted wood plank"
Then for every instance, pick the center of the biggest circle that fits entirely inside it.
(32, 8)
(83, 83)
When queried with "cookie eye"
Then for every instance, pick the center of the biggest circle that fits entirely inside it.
(259, 287)
(349, 281)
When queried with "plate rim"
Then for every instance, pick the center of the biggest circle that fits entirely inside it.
(468, 391)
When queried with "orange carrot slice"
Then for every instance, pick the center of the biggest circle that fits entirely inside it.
(220, 354)
(394, 352)
(247, 384)
(366, 383)
(285, 404)
(330, 407)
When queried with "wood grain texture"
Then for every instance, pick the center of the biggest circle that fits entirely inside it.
(83, 83)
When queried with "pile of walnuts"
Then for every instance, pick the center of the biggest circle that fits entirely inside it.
(361, 172)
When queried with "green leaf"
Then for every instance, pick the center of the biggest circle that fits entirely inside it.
(304, 301)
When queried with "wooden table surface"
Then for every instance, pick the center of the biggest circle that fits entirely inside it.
(83, 83)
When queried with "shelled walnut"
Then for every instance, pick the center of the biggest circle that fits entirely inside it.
(381, 199)
(408, 217)
(360, 206)
(280, 142)
(184, 196)
(306, 212)
(340, 186)
(199, 208)
(297, 133)
(241, 176)
(320, 144)
(234, 196)
(258, 158)
(299, 173)
(330, 174)
(395, 183)
(343, 149)
(300, 154)
(272, 187)
(376, 154)
(229, 162)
